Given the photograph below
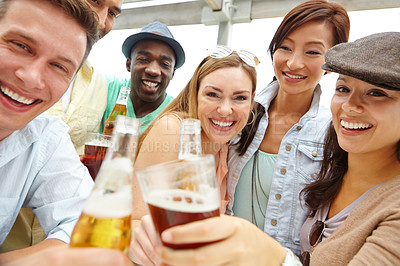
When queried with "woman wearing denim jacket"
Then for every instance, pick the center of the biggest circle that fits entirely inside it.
(281, 151)
(354, 202)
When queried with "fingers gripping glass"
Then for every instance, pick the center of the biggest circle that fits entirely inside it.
(221, 51)
(315, 236)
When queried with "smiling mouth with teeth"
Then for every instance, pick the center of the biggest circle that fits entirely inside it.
(293, 76)
(15, 97)
(150, 84)
(355, 126)
(222, 124)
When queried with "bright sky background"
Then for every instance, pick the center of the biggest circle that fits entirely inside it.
(255, 37)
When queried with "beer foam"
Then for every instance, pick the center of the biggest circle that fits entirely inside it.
(184, 200)
(99, 142)
(117, 166)
(109, 205)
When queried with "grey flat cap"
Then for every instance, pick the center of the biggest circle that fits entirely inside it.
(159, 31)
(374, 59)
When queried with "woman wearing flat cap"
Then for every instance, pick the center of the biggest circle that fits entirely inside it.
(354, 203)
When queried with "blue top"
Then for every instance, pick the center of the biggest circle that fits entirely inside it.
(298, 162)
(40, 168)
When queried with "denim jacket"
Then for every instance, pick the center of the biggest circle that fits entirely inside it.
(298, 162)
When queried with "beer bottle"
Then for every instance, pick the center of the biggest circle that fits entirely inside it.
(190, 146)
(119, 109)
(190, 143)
(106, 217)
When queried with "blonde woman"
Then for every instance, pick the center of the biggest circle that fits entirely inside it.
(220, 94)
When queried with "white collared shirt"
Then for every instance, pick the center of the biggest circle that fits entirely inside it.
(39, 168)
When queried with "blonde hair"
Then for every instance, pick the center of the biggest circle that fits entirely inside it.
(185, 104)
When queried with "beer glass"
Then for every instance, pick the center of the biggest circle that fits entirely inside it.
(180, 192)
(95, 150)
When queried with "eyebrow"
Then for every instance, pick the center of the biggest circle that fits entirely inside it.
(310, 42)
(342, 77)
(118, 9)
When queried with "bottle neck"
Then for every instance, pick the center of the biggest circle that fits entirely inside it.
(124, 139)
(190, 139)
(123, 96)
(117, 167)
(124, 145)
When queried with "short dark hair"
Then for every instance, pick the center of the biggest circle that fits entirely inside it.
(79, 10)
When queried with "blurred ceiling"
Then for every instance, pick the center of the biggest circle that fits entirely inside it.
(225, 13)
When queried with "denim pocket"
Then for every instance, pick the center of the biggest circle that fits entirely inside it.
(309, 161)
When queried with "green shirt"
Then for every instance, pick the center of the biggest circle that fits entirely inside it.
(251, 194)
(114, 85)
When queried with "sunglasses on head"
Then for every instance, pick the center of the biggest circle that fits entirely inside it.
(315, 236)
(221, 51)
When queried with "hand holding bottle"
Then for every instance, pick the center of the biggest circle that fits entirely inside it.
(119, 109)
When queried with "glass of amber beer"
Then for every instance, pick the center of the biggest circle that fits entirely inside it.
(95, 150)
(180, 192)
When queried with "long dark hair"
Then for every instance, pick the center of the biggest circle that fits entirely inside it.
(314, 10)
(329, 180)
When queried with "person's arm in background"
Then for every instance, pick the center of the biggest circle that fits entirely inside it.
(160, 145)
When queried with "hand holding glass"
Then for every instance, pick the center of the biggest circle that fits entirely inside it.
(180, 192)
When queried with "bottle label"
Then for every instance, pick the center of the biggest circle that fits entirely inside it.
(123, 95)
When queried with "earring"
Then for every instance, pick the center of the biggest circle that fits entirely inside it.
(254, 118)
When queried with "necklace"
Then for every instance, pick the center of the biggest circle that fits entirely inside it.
(255, 179)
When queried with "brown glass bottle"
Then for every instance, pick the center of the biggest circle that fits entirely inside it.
(119, 109)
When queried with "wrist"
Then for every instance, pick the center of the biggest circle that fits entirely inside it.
(291, 259)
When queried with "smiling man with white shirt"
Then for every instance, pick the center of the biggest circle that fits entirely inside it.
(39, 167)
